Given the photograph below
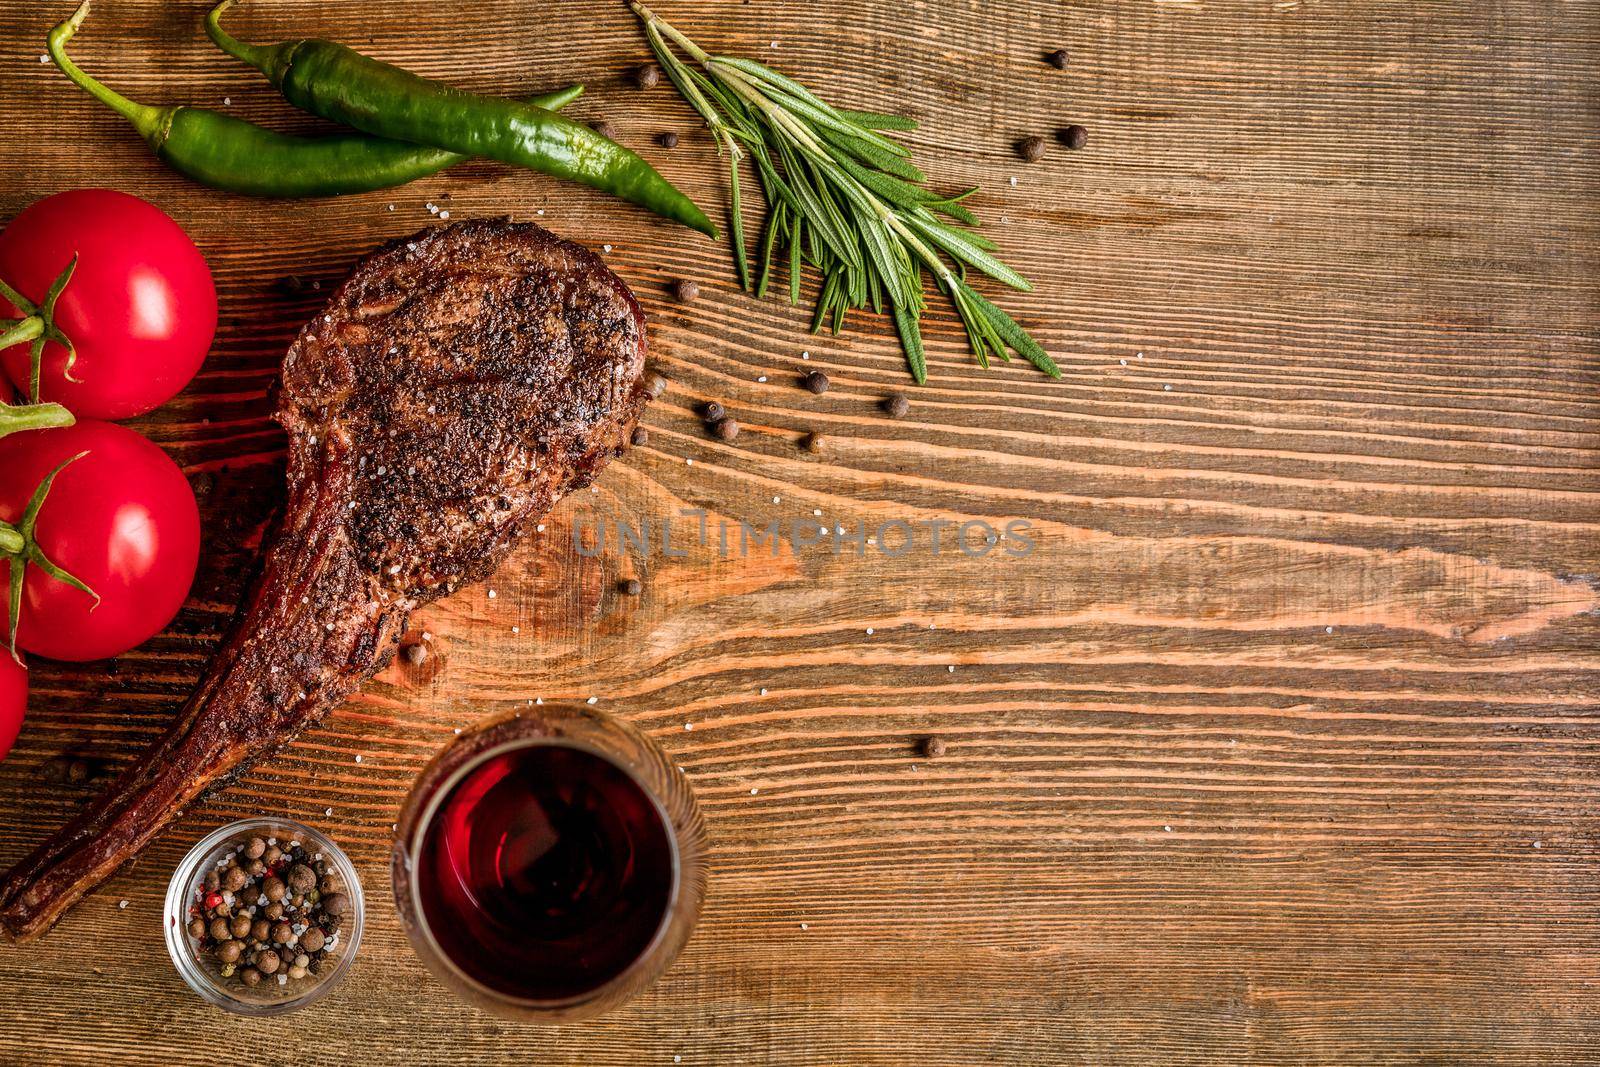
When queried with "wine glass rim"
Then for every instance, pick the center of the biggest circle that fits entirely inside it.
(424, 927)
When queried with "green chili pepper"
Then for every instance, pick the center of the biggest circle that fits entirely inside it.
(240, 157)
(340, 84)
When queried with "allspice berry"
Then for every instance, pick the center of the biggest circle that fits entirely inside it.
(646, 76)
(240, 925)
(282, 932)
(197, 927)
(273, 889)
(302, 879)
(79, 771)
(234, 880)
(251, 976)
(933, 747)
(812, 442)
(313, 939)
(230, 951)
(254, 848)
(641, 436)
(1031, 149)
(220, 930)
(896, 405)
(725, 429)
(1057, 59)
(606, 130)
(336, 904)
(55, 769)
(684, 290)
(260, 930)
(268, 962)
(631, 586)
(815, 382)
(668, 139)
(1073, 136)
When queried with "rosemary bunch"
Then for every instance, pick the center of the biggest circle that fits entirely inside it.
(843, 197)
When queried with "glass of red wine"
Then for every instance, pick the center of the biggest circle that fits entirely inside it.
(549, 864)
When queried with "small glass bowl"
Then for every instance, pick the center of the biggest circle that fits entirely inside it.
(203, 973)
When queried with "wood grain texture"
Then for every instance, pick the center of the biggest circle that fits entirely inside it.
(1280, 748)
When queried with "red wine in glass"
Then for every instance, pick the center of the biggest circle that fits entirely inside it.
(545, 872)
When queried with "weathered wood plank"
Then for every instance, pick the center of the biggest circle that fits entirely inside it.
(1279, 748)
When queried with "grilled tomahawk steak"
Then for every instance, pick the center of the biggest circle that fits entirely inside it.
(453, 389)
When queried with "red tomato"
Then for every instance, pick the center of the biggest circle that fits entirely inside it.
(122, 519)
(140, 309)
(13, 699)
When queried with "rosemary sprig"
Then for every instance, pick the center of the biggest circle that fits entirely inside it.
(844, 197)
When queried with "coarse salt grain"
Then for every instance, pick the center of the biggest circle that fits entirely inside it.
(516, 629)
(762, 378)
(358, 759)
(444, 214)
(869, 631)
(44, 59)
(763, 691)
(122, 904)
(754, 790)
(492, 594)
(688, 726)
(227, 101)
(805, 926)
(538, 700)
(592, 700)
(606, 249)
(327, 811)
(951, 668)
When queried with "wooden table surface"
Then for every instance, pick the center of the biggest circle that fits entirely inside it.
(1279, 748)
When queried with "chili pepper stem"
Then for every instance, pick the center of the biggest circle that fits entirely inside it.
(151, 122)
(268, 59)
(21, 330)
(11, 542)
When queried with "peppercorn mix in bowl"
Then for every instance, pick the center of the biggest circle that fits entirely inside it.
(263, 916)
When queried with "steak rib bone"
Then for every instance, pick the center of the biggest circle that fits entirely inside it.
(456, 386)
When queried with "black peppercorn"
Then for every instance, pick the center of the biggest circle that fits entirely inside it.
(1073, 136)
(725, 429)
(641, 436)
(606, 130)
(415, 653)
(685, 290)
(896, 405)
(712, 411)
(55, 769)
(646, 76)
(816, 382)
(1057, 59)
(1031, 149)
(669, 139)
(79, 771)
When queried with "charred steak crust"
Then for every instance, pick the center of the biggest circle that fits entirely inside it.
(454, 388)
